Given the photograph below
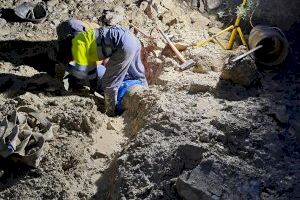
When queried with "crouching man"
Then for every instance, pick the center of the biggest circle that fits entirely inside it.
(116, 43)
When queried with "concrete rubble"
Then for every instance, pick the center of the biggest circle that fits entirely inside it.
(216, 131)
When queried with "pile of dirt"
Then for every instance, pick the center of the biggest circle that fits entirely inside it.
(191, 135)
(195, 144)
(84, 139)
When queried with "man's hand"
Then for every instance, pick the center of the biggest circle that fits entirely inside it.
(59, 71)
(93, 85)
(105, 61)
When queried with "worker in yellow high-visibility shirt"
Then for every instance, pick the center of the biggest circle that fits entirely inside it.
(116, 43)
(72, 27)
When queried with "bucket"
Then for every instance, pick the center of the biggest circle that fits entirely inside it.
(275, 45)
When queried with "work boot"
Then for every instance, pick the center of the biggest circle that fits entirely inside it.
(110, 107)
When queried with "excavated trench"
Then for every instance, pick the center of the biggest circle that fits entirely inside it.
(183, 157)
(192, 139)
(36, 88)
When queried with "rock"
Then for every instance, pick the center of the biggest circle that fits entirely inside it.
(150, 12)
(98, 155)
(207, 58)
(200, 88)
(109, 126)
(213, 179)
(168, 19)
(86, 125)
(122, 159)
(213, 4)
(168, 4)
(128, 2)
(113, 19)
(195, 3)
(204, 137)
(119, 10)
(191, 153)
(181, 46)
(159, 9)
(199, 20)
(113, 125)
(201, 69)
(172, 22)
(143, 5)
(52, 3)
(2, 22)
(55, 22)
(29, 34)
(167, 51)
(214, 30)
(243, 72)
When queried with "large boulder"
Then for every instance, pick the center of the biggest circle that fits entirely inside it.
(243, 72)
(214, 178)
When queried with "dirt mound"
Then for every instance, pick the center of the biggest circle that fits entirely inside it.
(197, 146)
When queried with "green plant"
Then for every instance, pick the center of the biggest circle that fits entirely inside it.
(245, 10)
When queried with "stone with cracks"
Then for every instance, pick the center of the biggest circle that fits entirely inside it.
(210, 180)
(243, 72)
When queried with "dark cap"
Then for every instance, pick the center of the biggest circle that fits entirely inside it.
(70, 27)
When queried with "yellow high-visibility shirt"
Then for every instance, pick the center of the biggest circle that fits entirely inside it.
(84, 49)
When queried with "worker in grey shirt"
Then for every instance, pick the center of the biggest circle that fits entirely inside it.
(116, 43)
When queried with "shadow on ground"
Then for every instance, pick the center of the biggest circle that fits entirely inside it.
(12, 173)
(234, 92)
(38, 54)
(277, 87)
(14, 85)
(9, 15)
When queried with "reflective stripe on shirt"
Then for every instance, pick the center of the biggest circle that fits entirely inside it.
(84, 49)
(82, 72)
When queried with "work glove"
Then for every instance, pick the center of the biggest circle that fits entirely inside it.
(110, 106)
(75, 84)
(59, 72)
